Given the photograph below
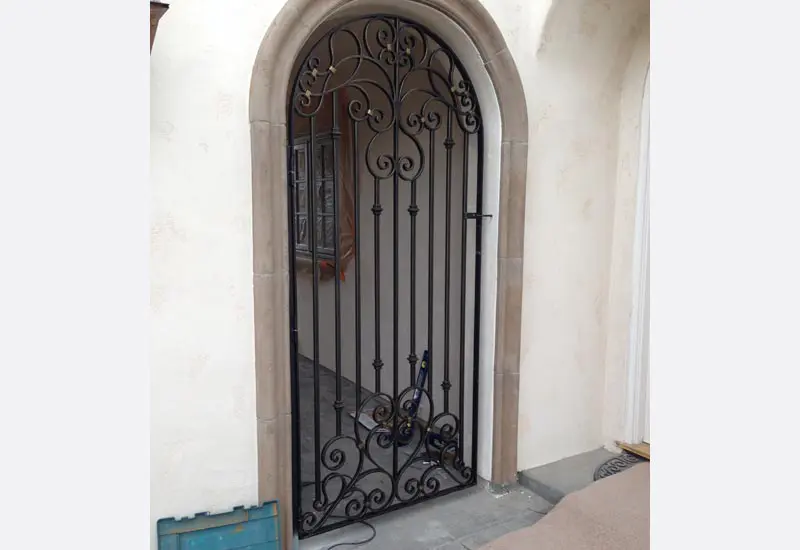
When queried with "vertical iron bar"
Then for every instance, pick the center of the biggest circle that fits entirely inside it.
(315, 308)
(396, 246)
(448, 144)
(293, 374)
(357, 243)
(338, 405)
(431, 219)
(477, 315)
(323, 220)
(412, 211)
(377, 363)
(463, 327)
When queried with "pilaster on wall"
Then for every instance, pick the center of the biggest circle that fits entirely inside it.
(271, 310)
(513, 166)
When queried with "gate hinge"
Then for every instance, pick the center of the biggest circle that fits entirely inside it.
(475, 215)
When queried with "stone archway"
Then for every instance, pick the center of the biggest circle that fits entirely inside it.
(271, 73)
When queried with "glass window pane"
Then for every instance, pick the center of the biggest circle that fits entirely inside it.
(302, 198)
(300, 163)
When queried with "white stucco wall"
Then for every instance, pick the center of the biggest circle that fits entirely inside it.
(203, 417)
(574, 110)
(203, 430)
(623, 389)
(622, 278)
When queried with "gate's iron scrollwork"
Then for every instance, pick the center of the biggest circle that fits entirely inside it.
(378, 104)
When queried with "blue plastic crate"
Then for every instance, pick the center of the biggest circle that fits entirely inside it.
(255, 528)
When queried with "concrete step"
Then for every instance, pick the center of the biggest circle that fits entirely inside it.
(554, 481)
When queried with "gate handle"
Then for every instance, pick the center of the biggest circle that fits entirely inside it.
(475, 215)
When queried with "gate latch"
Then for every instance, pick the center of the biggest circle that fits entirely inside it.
(475, 215)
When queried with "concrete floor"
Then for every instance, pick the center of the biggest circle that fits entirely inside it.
(467, 520)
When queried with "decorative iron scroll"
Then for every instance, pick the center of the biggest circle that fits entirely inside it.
(343, 498)
(387, 42)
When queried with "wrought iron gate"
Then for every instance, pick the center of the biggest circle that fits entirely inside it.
(385, 150)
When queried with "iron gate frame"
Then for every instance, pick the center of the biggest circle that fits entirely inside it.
(393, 502)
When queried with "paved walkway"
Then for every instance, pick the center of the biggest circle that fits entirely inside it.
(467, 520)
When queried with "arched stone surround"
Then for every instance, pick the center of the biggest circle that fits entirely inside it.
(271, 74)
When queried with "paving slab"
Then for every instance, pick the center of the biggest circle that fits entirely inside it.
(458, 521)
(556, 480)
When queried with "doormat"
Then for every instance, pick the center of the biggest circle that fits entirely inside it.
(617, 464)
